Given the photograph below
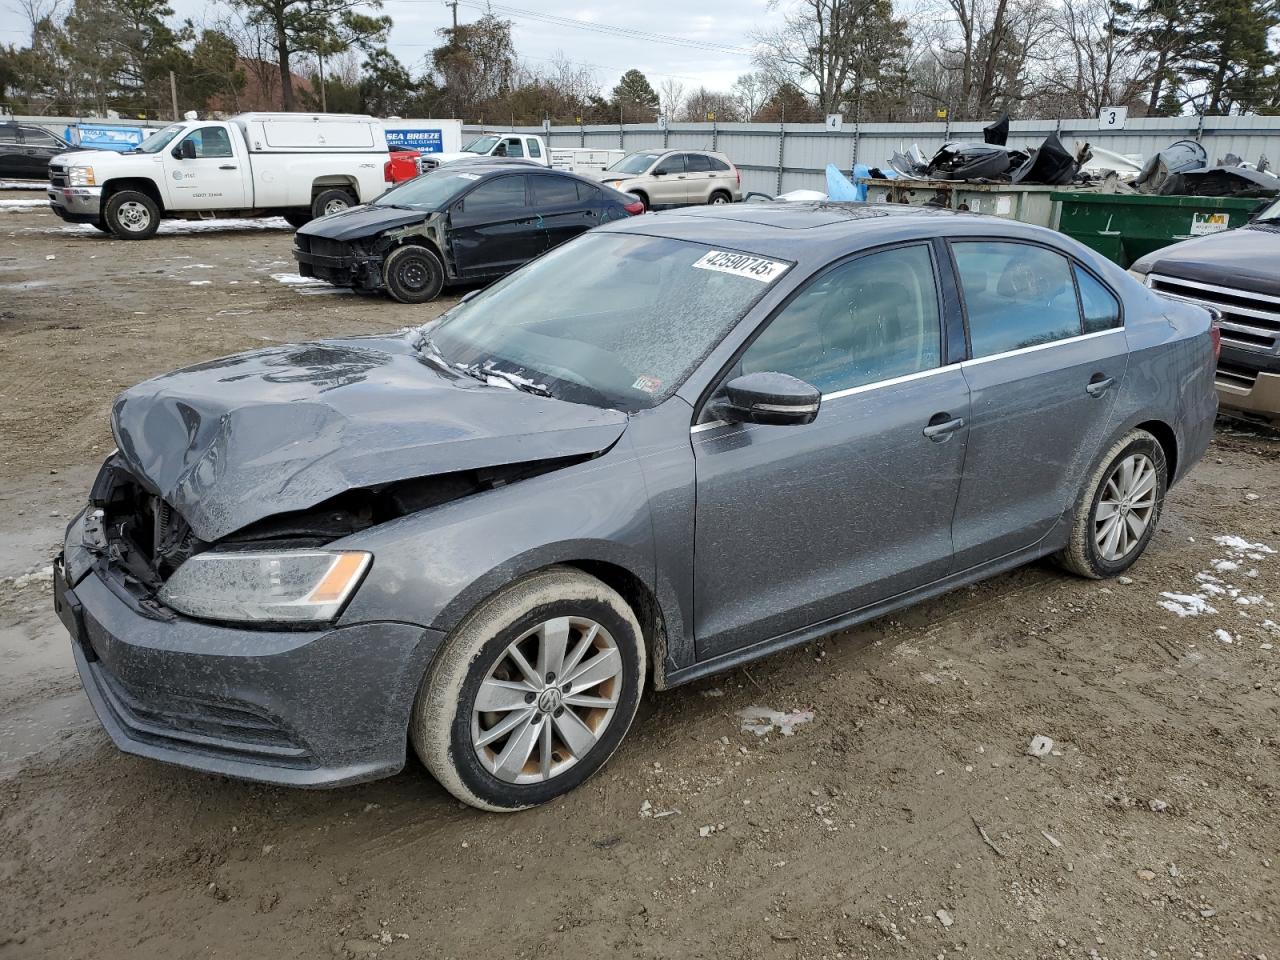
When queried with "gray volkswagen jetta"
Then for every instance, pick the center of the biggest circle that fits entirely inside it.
(664, 449)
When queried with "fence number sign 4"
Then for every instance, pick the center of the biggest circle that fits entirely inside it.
(1112, 118)
(834, 122)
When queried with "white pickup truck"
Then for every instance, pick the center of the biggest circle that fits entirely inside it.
(529, 147)
(299, 166)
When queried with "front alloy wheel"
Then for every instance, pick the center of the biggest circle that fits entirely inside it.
(532, 692)
(547, 700)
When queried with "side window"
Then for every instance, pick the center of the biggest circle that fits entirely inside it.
(1016, 295)
(871, 319)
(8, 134)
(697, 163)
(718, 165)
(210, 142)
(587, 193)
(514, 147)
(553, 191)
(498, 196)
(1101, 309)
(39, 138)
(670, 164)
(534, 149)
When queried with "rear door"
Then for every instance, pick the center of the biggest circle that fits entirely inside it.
(1044, 382)
(13, 161)
(564, 207)
(492, 229)
(796, 525)
(667, 185)
(700, 178)
(39, 147)
(211, 180)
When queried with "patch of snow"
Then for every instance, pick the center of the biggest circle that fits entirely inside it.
(1186, 604)
(1240, 545)
(199, 283)
(1224, 636)
(762, 720)
(23, 204)
(1225, 566)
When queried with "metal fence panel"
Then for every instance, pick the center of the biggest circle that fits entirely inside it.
(778, 157)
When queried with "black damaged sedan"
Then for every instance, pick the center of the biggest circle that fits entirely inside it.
(455, 225)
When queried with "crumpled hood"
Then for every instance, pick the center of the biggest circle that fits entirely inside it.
(1248, 257)
(233, 441)
(362, 221)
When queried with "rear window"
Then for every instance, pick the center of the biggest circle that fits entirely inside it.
(1100, 307)
(718, 165)
(553, 191)
(697, 163)
(8, 134)
(1016, 295)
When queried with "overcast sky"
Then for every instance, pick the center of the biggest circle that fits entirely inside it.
(718, 23)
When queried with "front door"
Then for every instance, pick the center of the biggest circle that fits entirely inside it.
(667, 186)
(1044, 380)
(212, 179)
(796, 525)
(492, 230)
(39, 147)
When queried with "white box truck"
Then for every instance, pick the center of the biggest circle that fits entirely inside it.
(428, 137)
(585, 159)
(299, 166)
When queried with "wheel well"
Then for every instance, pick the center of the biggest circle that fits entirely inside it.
(1168, 443)
(721, 192)
(642, 194)
(140, 185)
(335, 182)
(643, 603)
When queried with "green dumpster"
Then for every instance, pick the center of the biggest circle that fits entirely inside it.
(1124, 227)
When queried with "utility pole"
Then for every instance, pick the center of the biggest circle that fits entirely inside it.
(454, 5)
(173, 93)
(324, 101)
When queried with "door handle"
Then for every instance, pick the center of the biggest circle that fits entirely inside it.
(1099, 385)
(227, 166)
(941, 428)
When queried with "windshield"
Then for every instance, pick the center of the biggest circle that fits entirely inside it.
(613, 320)
(160, 139)
(481, 145)
(431, 191)
(1271, 212)
(634, 163)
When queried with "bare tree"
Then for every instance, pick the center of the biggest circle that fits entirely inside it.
(751, 92)
(671, 96)
(34, 12)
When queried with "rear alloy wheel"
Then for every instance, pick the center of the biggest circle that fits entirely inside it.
(413, 274)
(131, 215)
(532, 693)
(1119, 508)
(328, 202)
(720, 197)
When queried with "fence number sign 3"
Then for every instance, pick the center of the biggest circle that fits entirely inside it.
(1112, 118)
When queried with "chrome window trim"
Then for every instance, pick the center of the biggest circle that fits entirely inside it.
(921, 374)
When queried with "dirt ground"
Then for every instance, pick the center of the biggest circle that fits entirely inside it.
(905, 819)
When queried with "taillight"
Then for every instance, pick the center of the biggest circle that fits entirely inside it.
(1215, 334)
(635, 207)
(738, 173)
(386, 171)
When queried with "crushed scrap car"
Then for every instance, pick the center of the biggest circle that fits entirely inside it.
(465, 223)
(626, 465)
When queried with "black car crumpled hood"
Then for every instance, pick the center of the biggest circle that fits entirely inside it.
(1245, 258)
(364, 221)
(233, 441)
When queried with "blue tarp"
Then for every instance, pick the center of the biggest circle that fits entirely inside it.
(840, 187)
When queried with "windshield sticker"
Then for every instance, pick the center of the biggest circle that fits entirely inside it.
(469, 176)
(743, 265)
(647, 384)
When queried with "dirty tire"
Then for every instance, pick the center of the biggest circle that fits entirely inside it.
(719, 197)
(1083, 556)
(297, 218)
(331, 201)
(413, 274)
(441, 726)
(131, 215)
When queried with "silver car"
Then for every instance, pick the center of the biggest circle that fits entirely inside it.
(663, 449)
(676, 178)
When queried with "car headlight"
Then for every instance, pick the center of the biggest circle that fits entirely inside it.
(285, 586)
(81, 177)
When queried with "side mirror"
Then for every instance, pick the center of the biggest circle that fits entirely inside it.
(769, 398)
(186, 150)
(659, 172)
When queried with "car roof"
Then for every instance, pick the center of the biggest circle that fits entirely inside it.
(824, 229)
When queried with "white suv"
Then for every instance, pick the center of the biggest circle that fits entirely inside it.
(676, 178)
